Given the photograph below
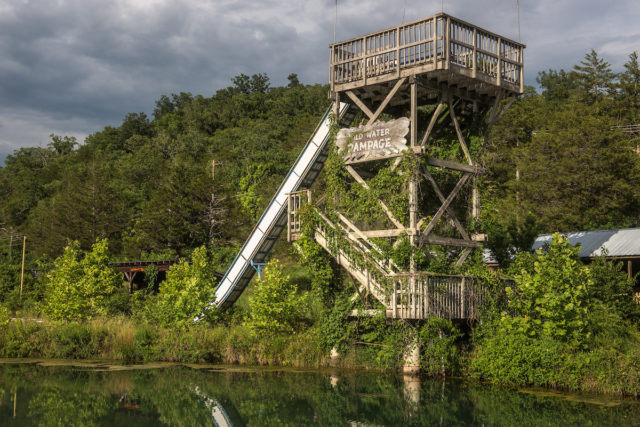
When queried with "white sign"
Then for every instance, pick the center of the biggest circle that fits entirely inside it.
(383, 140)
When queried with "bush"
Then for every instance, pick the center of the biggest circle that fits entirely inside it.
(550, 297)
(186, 294)
(518, 359)
(275, 305)
(81, 285)
(440, 353)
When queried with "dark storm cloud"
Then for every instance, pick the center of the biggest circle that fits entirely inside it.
(74, 66)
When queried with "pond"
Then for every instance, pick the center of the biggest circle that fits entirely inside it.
(94, 393)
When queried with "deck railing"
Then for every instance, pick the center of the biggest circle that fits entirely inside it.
(431, 295)
(435, 43)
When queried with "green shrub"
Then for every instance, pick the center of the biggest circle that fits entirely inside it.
(80, 285)
(439, 347)
(518, 359)
(185, 295)
(550, 298)
(275, 305)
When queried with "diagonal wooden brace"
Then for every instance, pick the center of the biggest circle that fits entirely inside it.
(384, 206)
(432, 123)
(454, 119)
(452, 215)
(374, 116)
(445, 205)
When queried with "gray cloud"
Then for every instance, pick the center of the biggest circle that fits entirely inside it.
(74, 66)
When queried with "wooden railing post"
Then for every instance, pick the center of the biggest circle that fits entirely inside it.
(398, 50)
(462, 298)
(447, 41)
(474, 66)
(499, 73)
(521, 59)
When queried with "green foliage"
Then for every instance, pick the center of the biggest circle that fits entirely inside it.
(550, 298)
(505, 242)
(334, 327)
(613, 288)
(439, 341)
(515, 358)
(80, 284)
(275, 305)
(186, 294)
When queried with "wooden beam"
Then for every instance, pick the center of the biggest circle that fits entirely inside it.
(432, 123)
(453, 217)
(448, 241)
(454, 119)
(388, 98)
(381, 233)
(463, 257)
(445, 205)
(447, 164)
(384, 206)
(360, 104)
(494, 110)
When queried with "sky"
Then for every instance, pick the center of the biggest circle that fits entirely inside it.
(71, 67)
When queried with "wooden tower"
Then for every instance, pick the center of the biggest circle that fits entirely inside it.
(450, 78)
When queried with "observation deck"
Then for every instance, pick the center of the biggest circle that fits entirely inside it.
(438, 49)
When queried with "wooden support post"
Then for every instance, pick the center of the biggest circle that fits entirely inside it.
(289, 217)
(336, 106)
(24, 248)
(629, 269)
(413, 195)
(499, 72)
(474, 64)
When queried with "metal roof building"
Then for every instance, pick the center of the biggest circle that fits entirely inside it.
(622, 243)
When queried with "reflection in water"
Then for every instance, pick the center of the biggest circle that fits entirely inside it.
(93, 395)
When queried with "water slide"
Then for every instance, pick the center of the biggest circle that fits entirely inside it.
(274, 219)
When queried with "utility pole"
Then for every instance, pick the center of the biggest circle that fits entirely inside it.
(24, 247)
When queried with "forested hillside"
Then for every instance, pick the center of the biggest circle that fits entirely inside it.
(561, 155)
(202, 168)
(198, 172)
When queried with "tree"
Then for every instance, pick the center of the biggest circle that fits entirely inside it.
(187, 293)
(293, 80)
(62, 145)
(630, 88)
(550, 296)
(556, 85)
(80, 284)
(275, 305)
(593, 78)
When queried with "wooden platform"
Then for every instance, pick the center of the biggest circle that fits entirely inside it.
(438, 49)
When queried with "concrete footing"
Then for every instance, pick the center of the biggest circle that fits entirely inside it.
(412, 358)
(334, 356)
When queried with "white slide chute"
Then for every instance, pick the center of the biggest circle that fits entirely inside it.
(274, 219)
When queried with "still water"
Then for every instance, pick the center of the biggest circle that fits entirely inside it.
(96, 394)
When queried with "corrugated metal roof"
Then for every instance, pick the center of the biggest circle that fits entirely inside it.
(617, 243)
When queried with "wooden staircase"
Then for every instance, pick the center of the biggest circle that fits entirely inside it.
(403, 295)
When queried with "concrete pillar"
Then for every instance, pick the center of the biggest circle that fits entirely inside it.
(412, 357)
(335, 356)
